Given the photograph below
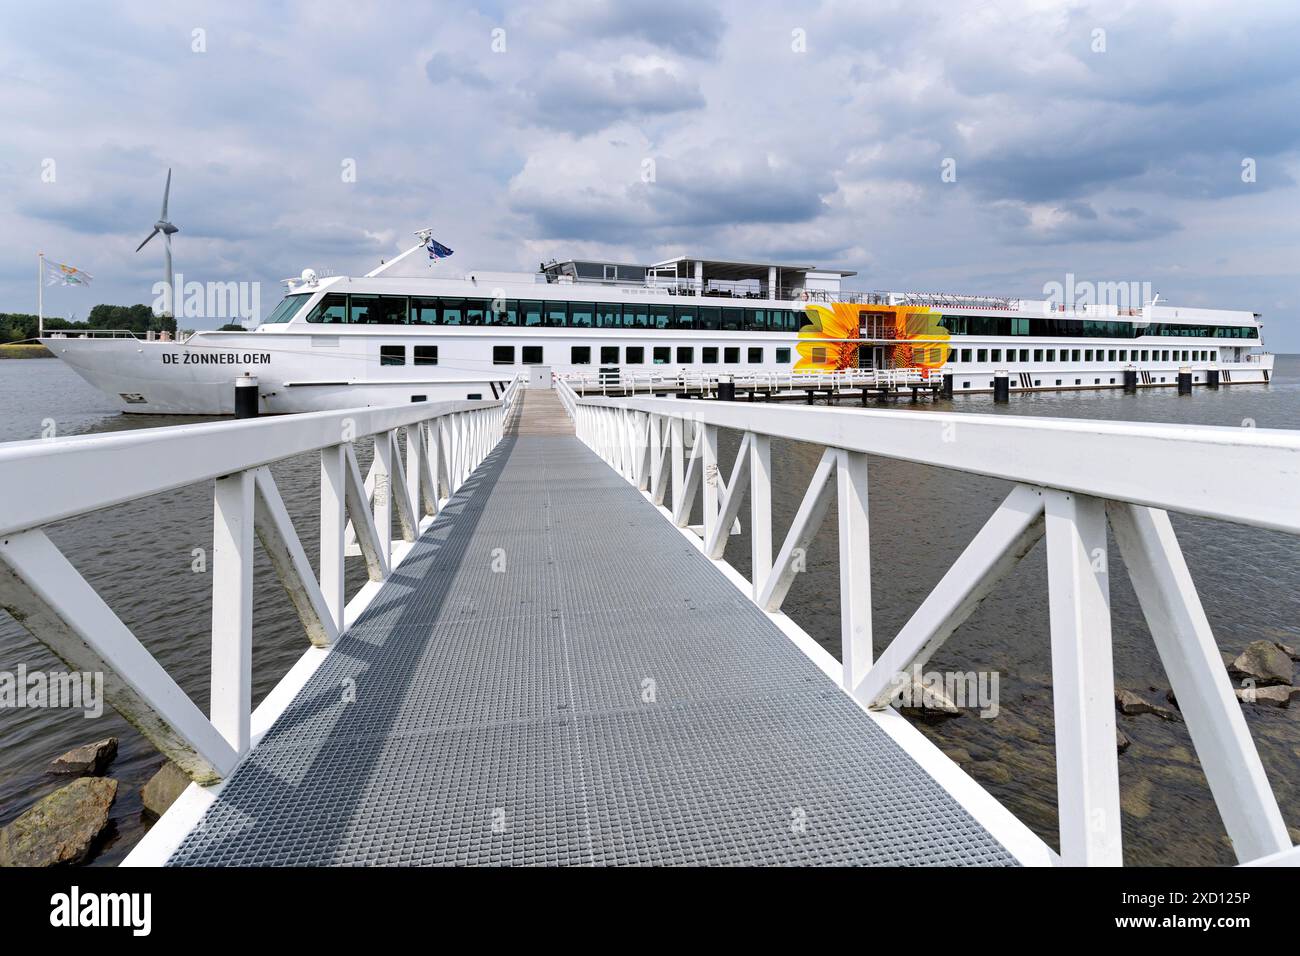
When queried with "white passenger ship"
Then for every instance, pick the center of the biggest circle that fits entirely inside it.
(339, 341)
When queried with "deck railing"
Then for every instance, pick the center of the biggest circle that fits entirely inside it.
(1072, 479)
(443, 443)
(687, 380)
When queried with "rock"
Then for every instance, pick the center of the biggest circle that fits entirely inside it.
(923, 704)
(163, 788)
(1122, 742)
(62, 827)
(1131, 704)
(1265, 663)
(1275, 695)
(92, 759)
(1288, 650)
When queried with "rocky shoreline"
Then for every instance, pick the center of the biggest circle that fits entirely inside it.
(68, 826)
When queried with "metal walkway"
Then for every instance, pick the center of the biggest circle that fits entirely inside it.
(556, 676)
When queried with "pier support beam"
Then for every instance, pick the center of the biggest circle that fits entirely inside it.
(1083, 680)
(333, 522)
(855, 567)
(232, 608)
(1199, 680)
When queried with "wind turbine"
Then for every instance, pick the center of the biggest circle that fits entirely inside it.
(167, 229)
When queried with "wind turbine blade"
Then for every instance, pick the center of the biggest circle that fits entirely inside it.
(167, 191)
(146, 239)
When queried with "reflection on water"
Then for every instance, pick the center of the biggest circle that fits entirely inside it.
(139, 557)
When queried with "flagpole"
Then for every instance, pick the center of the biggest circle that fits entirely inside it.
(40, 295)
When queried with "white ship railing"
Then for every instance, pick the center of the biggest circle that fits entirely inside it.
(1073, 479)
(698, 380)
(51, 480)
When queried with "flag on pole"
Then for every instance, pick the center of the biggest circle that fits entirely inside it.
(56, 273)
(437, 250)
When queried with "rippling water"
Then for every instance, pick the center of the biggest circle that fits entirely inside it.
(139, 557)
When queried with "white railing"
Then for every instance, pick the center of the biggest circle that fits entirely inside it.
(443, 443)
(1072, 479)
(777, 382)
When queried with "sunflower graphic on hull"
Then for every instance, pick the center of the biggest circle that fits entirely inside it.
(830, 337)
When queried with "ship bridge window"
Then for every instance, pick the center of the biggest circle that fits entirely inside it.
(286, 310)
(331, 310)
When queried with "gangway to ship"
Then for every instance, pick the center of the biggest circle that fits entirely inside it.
(553, 663)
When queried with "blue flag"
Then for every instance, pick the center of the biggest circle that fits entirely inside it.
(437, 250)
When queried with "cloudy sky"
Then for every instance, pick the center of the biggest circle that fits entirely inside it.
(1107, 140)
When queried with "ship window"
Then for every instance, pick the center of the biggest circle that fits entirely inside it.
(452, 311)
(997, 355)
(635, 355)
(686, 317)
(755, 356)
(392, 355)
(331, 310)
(530, 312)
(756, 320)
(581, 315)
(1110, 357)
(475, 396)
(424, 311)
(1214, 355)
(609, 315)
(1145, 354)
(710, 318)
(503, 355)
(1087, 355)
(685, 355)
(580, 355)
(503, 312)
(1038, 355)
(731, 321)
(609, 355)
(709, 354)
(1051, 356)
(531, 354)
(426, 354)
(661, 316)
(611, 272)
(982, 355)
(782, 356)
(419, 398)
(965, 355)
(663, 354)
(819, 354)
(1019, 326)
(288, 306)
(636, 316)
(1074, 355)
(731, 355)
(557, 314)
(476, 311)
(1164, 355)
(384, 310)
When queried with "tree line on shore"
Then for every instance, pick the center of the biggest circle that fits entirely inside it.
(16, 327)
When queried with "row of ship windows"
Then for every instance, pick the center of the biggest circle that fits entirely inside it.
(582, 355)
(1089, 355)
(340, 309)
(755, 355)
(1087, 328)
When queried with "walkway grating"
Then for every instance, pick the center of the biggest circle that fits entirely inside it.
(604, 697)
